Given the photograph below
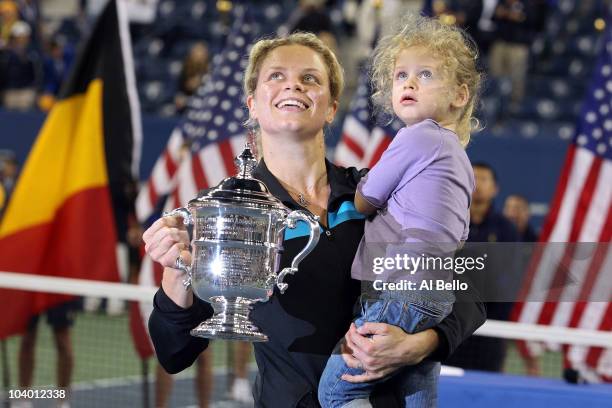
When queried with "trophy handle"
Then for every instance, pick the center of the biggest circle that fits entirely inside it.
(187, 220)
(181, 212)
(291, 222)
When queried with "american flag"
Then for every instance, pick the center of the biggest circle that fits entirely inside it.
(365, 134)
(581, 211)
(200, 151)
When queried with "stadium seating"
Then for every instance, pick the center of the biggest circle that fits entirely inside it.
(160, 47)
(560, 64)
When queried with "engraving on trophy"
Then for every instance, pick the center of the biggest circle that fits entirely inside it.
(232, 226)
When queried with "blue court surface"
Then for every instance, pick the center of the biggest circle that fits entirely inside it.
(472, 389)
(128, 392)
(485, 390)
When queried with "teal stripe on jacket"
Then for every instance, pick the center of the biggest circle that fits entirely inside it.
(346, 212)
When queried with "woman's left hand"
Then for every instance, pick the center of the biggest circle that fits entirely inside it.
(380, 349)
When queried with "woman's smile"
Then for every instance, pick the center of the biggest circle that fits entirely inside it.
(292, 105)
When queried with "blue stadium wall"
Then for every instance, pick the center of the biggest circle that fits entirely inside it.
(526, 166)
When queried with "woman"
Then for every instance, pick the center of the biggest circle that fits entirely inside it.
(292, 87)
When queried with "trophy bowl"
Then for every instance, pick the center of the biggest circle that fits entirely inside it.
(238, 230)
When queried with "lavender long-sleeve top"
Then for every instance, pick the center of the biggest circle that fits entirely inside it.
(423, 185)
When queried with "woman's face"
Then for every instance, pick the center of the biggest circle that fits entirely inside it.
(292, 94)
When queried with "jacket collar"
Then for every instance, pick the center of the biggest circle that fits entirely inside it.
(340, 181)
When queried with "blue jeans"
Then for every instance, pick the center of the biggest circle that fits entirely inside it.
(419, 383)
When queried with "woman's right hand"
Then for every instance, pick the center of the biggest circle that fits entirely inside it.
(165, 241)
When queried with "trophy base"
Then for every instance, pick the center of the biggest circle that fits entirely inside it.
(230, 322)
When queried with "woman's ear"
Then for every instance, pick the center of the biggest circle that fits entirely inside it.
(250, 101)
(462, 96)
(331, 112)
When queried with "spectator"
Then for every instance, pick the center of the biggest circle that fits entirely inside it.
(56, 66)
(61, 319)
(29, 11)
(464, 13)
(241, 386)
(375, 19)
(9, 15)
(202, 383)
(195, 67)
(516, 209)
(486, 225)
(8, 176)
(2, 199)
(311, 16)
(518, 22)
(8, 171)
(485, 32)
(19, 69)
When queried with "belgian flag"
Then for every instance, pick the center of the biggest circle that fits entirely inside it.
(71, 200)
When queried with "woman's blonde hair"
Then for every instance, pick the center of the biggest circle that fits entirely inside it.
(263, 47)
(451, 44)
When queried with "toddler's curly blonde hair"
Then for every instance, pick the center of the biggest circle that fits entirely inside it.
(451, 44)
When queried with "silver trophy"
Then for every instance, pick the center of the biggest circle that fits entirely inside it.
(238, 229)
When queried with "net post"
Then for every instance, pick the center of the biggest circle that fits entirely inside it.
(144, 364)
(6, 375)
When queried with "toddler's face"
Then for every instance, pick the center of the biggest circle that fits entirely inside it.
(421, 89)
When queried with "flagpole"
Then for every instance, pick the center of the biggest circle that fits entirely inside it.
(5, 374)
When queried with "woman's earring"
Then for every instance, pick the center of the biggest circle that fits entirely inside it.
(252, 142)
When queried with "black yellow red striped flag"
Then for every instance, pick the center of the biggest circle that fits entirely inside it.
(70, 203)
